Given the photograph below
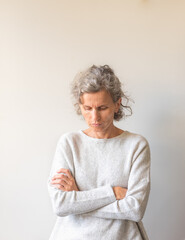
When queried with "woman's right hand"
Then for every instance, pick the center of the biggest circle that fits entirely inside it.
(64, 181)
(119, 192)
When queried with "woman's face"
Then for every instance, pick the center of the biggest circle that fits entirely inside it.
(98, 110)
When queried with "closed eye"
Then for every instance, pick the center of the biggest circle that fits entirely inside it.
(87, 108)
(102, 108)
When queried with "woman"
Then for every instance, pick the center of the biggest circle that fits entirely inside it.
(100, 178)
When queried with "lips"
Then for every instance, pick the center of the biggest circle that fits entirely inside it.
(96, 124)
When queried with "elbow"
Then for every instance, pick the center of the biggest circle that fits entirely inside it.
(57, 212)
(137, 208)
(138, 213)
(60, 212)
(135, 211)
(60, 204)
(60, 208)
(138, 216)
(135, 216)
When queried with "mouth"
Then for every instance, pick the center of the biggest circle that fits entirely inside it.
(96, 124)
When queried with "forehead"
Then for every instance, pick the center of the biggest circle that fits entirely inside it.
(98, 98)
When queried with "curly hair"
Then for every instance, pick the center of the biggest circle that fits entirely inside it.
(95, 79)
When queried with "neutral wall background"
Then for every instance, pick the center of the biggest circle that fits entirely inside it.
(43, 45)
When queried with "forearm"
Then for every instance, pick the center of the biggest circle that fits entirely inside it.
(101, 202)
(80, 202)
(132, 207)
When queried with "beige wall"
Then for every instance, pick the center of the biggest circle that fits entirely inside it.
(43, 45)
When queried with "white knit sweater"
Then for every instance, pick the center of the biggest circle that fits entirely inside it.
(97, 165)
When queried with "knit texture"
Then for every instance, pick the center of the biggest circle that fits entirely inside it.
(93, 213)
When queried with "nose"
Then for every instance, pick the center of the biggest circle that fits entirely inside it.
(95, 115)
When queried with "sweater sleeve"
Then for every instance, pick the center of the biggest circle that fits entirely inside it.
(75, 202)
(133, 206)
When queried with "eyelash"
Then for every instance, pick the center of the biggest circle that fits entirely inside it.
(101, 108)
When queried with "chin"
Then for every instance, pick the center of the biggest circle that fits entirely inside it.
(97, 129)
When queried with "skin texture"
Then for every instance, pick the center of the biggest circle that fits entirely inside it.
(98, 111)
(119, 192)
(64, 180)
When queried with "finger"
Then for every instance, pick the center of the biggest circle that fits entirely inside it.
(60, 187)
(65, 178)
(65, 189)
(59, 176)
(62, 177)
(66, 171)
(62, 170)
(59, 181)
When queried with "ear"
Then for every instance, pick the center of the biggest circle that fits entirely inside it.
(117, 105)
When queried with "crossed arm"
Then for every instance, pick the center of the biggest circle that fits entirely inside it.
(111, 202)
(64, 181)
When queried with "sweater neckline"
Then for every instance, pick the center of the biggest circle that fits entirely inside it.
(102, 139)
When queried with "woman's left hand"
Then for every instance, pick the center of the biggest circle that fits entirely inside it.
(64, 181)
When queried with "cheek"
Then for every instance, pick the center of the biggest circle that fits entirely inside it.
(108, 116)
(86, 115)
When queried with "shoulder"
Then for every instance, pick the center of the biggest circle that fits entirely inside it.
(69, 137)
(139, 147)
(136, 139)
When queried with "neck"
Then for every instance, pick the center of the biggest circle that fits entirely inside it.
(110, 133)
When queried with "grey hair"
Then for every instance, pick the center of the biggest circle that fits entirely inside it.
(95, 79)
